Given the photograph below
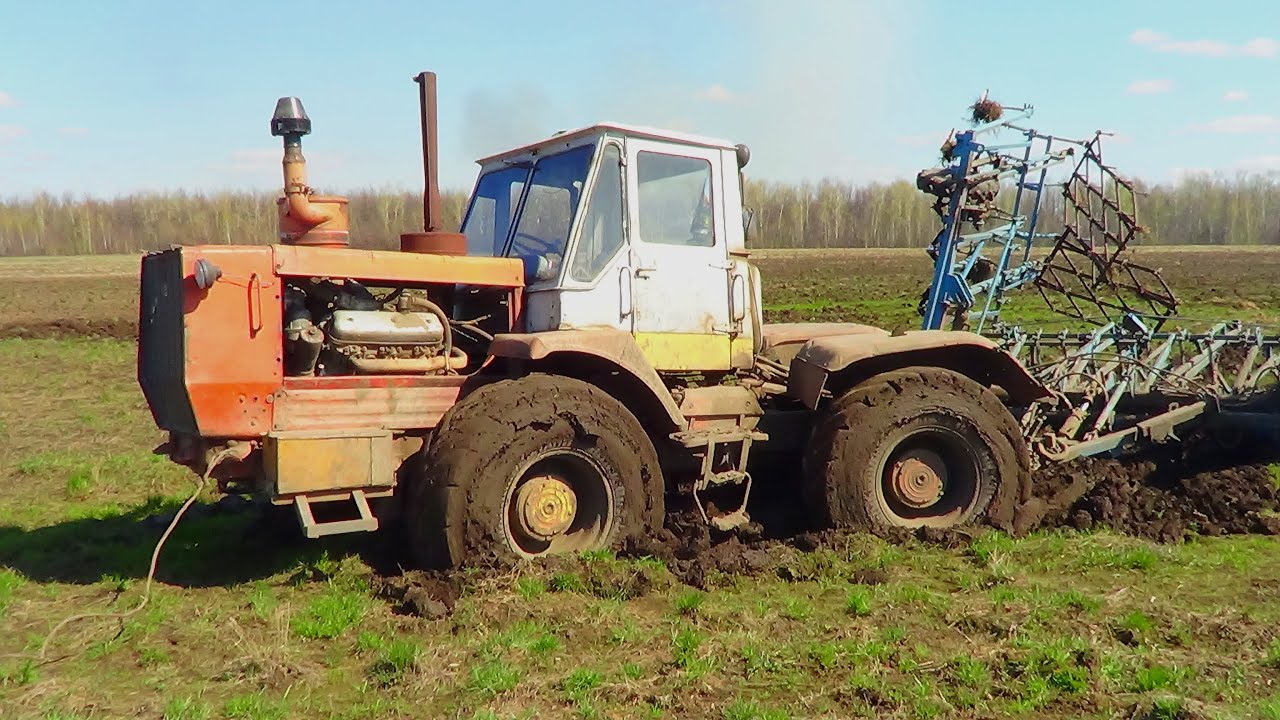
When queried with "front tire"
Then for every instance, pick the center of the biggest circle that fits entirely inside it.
(920, 447)
(540, 465)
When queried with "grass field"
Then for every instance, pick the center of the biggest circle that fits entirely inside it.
(244, 626)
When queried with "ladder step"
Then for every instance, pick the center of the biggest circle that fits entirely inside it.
(313, 529)
(732, 521)
(729, 477)
(699, 438)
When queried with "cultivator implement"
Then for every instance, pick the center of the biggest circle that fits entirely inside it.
(1117, 385)
(1127, 380)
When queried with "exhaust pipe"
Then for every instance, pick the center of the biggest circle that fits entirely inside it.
(432, 239)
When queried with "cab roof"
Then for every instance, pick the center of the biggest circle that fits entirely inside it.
(638, 131)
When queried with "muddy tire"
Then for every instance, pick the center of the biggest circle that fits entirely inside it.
(920, 447)
(540, 465)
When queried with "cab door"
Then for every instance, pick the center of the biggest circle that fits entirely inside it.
(679, 267)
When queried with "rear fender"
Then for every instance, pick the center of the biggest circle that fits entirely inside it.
(838, 363)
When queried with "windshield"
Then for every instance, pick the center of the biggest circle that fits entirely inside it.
(542, 229)
(489, 218)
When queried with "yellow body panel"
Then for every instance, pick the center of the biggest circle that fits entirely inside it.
(693, 352)
(311, 462)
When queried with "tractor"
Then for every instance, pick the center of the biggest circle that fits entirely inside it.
(588, 348)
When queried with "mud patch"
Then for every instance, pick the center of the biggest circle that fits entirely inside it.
(421, 594)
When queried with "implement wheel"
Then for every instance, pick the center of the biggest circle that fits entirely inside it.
(541, 465)
(920, 447)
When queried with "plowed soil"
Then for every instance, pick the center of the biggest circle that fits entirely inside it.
(69, 307)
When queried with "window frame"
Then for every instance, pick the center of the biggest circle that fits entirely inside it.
(575, 237)
(512, 211)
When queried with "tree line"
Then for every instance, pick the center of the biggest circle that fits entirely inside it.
(1204, 210)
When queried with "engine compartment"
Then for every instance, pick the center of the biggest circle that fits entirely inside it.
(342, 327)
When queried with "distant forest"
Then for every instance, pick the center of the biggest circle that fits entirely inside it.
(828, 214)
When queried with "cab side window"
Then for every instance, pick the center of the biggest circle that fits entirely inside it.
(600, 237)
(674, 200)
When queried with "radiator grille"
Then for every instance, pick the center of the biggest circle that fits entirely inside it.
(162, 342)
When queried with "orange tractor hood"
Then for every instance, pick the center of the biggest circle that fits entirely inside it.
(210, 360)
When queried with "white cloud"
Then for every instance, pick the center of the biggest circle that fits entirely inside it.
(1160, 42)
(1149, 87)
(716, 93)
(1260, 47)
(1240, 125)
(76, 131)
(11, 132)
(7, 100)
(1235, 96)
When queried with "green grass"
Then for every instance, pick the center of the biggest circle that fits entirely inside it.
(330, 615)
(395, 660)
(186, 708)
(255, 706)
(744, 710)
(493, 678)
(688, 602)
(858, 602)
(1156, 677)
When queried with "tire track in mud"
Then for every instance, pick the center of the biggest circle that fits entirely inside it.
(1165, 497)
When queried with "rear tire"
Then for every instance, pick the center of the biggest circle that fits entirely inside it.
(539, 465)
(920, 447)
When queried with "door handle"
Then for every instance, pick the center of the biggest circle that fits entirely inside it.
(644, 272)
(624, 294)
(255, 304)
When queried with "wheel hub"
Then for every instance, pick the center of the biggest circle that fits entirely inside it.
(545, 507)
(918, 478)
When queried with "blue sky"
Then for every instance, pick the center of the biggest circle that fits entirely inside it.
(107, 98)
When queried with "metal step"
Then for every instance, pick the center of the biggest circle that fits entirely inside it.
(728, 477)
(313, 529)
(700, 438)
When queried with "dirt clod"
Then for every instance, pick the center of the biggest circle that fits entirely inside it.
(1161, 498)
(426, 595)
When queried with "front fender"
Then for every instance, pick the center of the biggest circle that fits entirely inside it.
(614, 347)
(837, 363)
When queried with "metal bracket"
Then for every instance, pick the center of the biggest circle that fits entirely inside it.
(705, 442)
(313, 529)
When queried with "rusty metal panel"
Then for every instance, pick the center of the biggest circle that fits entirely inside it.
(390, 266)
(387, 407)
(233, 344)
(720, 406)
(317, 462)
